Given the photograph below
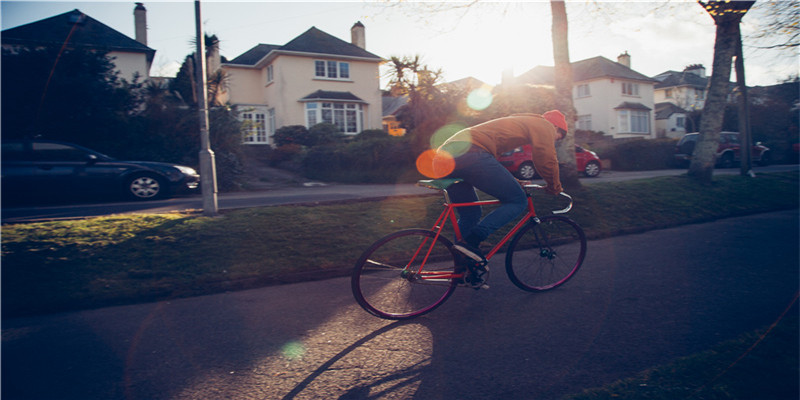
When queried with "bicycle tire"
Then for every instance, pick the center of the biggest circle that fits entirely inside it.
(545, 255)
(384, 287)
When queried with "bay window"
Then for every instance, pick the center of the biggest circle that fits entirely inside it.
(348, 117)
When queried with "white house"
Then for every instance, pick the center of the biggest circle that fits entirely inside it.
(314, 78)
(75, 29)
(609, 96)
(676, 95)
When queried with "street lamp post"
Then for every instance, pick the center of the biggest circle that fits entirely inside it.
(208, 172)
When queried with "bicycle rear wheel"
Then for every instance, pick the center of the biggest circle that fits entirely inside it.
(388, 283)
(545, 255)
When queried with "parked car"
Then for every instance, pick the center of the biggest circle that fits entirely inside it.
(728, 152)
(39, 169)
(519, 162)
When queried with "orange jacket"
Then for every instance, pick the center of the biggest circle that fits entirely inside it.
(505, 134)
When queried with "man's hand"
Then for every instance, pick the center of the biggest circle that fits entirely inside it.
(552, 190)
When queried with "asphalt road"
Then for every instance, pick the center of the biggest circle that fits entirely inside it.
(288, 195)
(639, 301)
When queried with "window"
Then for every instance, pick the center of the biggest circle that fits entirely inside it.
(585, 122)
(270, 74)
(254, 127)
(633, 121)
(680, 122)
(668, 93)
(583, 91)
(331, 69)
(348, 117)
(58, 152)
(630, 89)
(700, 94)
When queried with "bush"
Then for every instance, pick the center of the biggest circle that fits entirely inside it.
(282, 154)
(641, 154)
(371, 134)
(375, 160)
(291, 134)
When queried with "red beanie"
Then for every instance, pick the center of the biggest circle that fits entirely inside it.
(556, 118)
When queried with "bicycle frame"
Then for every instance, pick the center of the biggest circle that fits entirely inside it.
(449, 214)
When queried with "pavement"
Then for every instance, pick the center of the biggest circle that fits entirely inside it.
(639, 300)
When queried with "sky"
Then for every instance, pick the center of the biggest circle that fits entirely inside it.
(480, 41)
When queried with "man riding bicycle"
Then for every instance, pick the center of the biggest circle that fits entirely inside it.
(475, 151)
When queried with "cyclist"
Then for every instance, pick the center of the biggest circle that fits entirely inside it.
(475, 152)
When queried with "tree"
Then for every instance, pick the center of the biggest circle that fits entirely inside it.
(430, 105)
(72, 95)
(726, 15)
(562, 74)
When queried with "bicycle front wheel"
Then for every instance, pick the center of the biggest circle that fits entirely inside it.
(405, 274)
(545, 255)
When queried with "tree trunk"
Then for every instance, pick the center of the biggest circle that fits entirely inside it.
(745, 135)
(563, 85)
(727, 16)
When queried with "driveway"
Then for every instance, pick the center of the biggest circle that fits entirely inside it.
(639, 300)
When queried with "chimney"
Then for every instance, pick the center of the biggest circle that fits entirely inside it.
(358, 35)
(140, 23)
(697, 69)
(624, 59)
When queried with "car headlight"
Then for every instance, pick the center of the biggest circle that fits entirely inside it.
(186, 170)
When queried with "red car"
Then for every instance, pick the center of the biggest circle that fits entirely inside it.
(519, 162)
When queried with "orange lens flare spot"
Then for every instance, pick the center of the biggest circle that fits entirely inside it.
(435, 164)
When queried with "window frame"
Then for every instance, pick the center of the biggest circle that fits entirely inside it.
(332, 70)
(629, 120)
(347, 116)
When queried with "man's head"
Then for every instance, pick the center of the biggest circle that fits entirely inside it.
(558, 120)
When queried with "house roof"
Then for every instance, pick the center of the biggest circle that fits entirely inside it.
(313, 41)
(76, 29)
(628, 105)
(685, 78)
(333, 96)
(391, 104)
(666, 109)
(584, 70)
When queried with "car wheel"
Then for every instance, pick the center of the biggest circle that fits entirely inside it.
(592, 169)
(726, 161)
(145, 187)
(526, 171)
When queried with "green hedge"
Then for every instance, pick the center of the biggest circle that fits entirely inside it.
(370, 160)
(641, 155)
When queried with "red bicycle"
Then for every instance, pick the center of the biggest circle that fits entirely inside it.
(410, 272)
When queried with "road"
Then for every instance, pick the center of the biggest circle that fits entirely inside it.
(639, 301)
(290, 195)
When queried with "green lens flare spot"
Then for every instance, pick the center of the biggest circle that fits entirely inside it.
(479, 99)
(293, 350)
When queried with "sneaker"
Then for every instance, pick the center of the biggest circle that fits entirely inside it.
(470, 251)
(476, 281)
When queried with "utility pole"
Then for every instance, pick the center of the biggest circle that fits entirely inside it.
(208, 171)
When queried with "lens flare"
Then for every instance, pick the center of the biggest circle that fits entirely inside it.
(479, 99)
(293, 350)
(442, 134)
(435, 164)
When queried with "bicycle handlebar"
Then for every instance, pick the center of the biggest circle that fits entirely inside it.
(537, 186)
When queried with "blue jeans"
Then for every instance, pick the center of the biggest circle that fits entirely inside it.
(481, 170)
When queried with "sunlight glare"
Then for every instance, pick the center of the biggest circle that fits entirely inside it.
(480, 98)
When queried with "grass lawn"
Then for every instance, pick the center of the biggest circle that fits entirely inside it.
(65, 265)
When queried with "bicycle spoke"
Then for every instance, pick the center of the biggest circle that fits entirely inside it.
(423, 283)
(545, 255)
